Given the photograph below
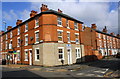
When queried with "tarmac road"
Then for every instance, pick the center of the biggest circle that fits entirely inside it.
(101, 69)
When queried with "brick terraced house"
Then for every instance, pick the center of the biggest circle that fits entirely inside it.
(52, 38)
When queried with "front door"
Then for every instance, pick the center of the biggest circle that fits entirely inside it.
(30, 58)
(69, 56)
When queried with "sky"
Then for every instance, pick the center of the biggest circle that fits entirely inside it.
(101, 13)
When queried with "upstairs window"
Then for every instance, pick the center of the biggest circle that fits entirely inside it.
(77, 38)
(11, 34)
(6, 45)
(37, 36)
(18, 42)
(10, 45)
(18, 30)
(6, 37)
(59, 20)
(36, 23)
(26, 27)
(26, 40)
(60, 36)
(76, 25)
(68, 37)
(67, 24)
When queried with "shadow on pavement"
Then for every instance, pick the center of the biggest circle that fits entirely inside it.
(113, 64)
(20, 74)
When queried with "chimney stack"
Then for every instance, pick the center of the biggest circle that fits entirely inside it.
(9, 27)
(18, 22)
(44, 8)
(118, 35)
(112, 33)
(33, 13)
(94, 26)
(59, 10)
(105, 30)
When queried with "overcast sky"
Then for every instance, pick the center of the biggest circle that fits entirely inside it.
(101, 13)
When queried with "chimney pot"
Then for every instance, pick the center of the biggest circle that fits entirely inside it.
(94, 26)
(9, 27)
(59, 10)
(44, 8)
(33, 13)
(18, 22)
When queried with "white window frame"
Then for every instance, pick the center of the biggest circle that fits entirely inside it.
(25, 40)
(18, 42)
(18, 31)
(26, 50)
(38, 37)
(6, 36)
(6, 44)
(10, 45)
(62, 53)
(99, 35)
(18, 56)
(78, 54)
(26, 25)
(68, 37)
(36, 20)
(67, 24)
(76, 38)
(60, 25)
(37, 54)
(60, 36)
(11, 34)
(76, 26)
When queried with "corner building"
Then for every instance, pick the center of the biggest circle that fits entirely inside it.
(49, 38)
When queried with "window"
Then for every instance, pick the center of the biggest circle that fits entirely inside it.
(37, 36)
(61, 53)
(11, 34)
(10, 45)
(6, 45)
(26, 27)
(26, 40)
(100, 42)
(37, 54)
(99, 35)
(6, 37)
(10, 56)
(18, 53)
(76, 26)
(18, 42)
(18, 30)
(67, 24)
(77, 38)
(60, 36)
(104, 37)
(26, 55)
(59, 20)
(77, 50)
(68, 37)
(36, 23)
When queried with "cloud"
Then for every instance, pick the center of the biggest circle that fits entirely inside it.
(93, 12)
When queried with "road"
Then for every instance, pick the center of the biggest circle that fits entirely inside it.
(106, 68)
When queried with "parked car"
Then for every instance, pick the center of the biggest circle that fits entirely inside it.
(118, 55)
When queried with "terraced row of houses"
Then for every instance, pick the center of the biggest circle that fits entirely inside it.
(53, 38)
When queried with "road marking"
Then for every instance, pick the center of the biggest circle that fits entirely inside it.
(101, 71)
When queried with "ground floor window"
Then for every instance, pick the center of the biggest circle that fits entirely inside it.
(37, 54)
(26, 55)
(77, 50)
(18, 58)
(61, 53)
